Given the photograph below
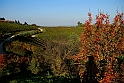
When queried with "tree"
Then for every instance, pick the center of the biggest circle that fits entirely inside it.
(25, 23)
(2, 18)
(79, 23)
(18, 22)
(104, 43)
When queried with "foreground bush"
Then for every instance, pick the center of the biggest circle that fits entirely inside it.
(102, 50)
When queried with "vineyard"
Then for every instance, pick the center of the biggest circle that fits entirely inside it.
(59, 33)
(90, 54)
(9, 29)
(13, 27)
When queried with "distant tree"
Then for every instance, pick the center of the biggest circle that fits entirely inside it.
(25, 23)
(2, 18)
(79, 23)
(18, 22)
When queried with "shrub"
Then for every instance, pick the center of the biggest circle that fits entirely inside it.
(104, 43)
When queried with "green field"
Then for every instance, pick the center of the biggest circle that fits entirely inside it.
(59, 33)
(65, 36)
(9, 29)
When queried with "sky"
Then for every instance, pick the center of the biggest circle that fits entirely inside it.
(57, 12)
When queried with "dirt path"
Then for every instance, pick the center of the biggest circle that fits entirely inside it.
(1, 49)
(1, 44)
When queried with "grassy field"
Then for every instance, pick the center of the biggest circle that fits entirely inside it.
(59, 33)
(13, 27)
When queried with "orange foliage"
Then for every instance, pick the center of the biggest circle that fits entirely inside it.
(104, 43)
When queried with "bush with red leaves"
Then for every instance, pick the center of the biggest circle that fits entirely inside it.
(105, 42)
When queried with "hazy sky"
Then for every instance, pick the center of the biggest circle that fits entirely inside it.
(56, 12)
